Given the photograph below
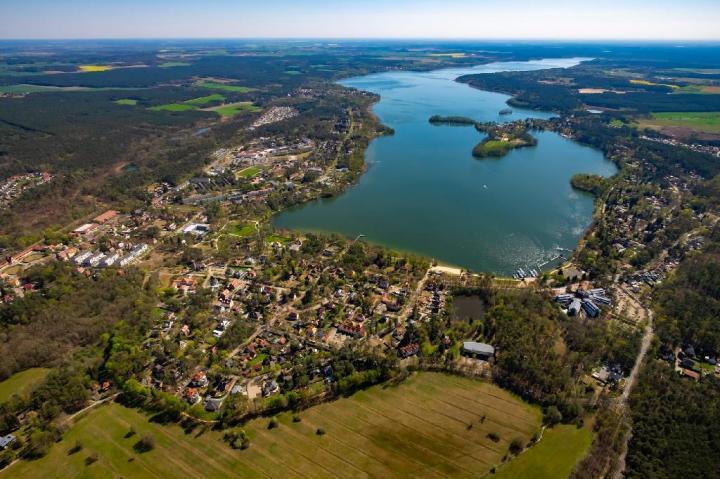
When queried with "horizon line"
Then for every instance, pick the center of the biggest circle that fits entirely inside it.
(350, 39)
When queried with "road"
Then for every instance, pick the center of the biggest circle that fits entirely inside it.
(622, 404)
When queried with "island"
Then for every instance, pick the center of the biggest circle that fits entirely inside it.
(500, 139)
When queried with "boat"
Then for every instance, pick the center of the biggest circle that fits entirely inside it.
(506, 111)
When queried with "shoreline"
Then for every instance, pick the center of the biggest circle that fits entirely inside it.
(551, 266)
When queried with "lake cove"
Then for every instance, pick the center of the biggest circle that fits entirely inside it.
(425, 193)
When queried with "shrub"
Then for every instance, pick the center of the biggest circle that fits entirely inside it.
(552, 416)
(296, 418)
(76, 448)
(130, 433)
(145, 444)
(516, 446)
(493, 436)
(92, 458)
(320, 431)
(273, 423)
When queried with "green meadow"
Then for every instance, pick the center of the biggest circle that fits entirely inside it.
(431, 425)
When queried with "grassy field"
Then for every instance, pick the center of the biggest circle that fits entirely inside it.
(21, 383)
(173, 107)
(553, 457)
(126, 102)
(224, 87)
(204, 100)
(708, 122)
(429, 426)
(249, 172)
(240, 230)
(232, 109)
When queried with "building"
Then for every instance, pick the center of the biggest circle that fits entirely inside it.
(590, 308)
(105, 217)
(478, 350)
(574, 307)
(85, 229)
(133, 255)
(199, 380)
(5, 441)
(196, 229)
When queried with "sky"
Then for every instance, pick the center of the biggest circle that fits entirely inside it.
(466, 19)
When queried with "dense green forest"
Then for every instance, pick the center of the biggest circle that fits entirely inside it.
(72, 310)
(676, 426)
(689, 305)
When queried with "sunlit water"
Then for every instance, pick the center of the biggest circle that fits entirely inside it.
(425, 193)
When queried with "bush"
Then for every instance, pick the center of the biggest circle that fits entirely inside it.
(320, 431)
(553, 416)
(76, 448)
(273, 423)
(92, 458)
(238, 439)
(145, 444)
(516, 446)
(296, 418)
(493, 436)
(130, 433)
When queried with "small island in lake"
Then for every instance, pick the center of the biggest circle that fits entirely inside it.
(500, 139)
(452, 120)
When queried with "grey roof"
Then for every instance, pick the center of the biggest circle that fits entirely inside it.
(478, 348)
(6, 440)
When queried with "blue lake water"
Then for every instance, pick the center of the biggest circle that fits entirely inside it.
(424, 192)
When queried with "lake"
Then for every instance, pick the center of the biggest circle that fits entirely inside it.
(424, 192)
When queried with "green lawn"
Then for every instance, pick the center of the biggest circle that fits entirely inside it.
(21, 383)
(173, 107)
(277, 238)
(249, 172)
(126, 102)
(701, 121)
(232, 109)
(204, 100)
(240, 230)
(554, 457)
(224, 87)
(429, 426)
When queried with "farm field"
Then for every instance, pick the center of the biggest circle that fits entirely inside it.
(553, 457)
(706, 122)
(232, 109)
(204, 100)
(94, 68)
(429, 426)
(173, 107)
(224, 87)
(21, 383)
